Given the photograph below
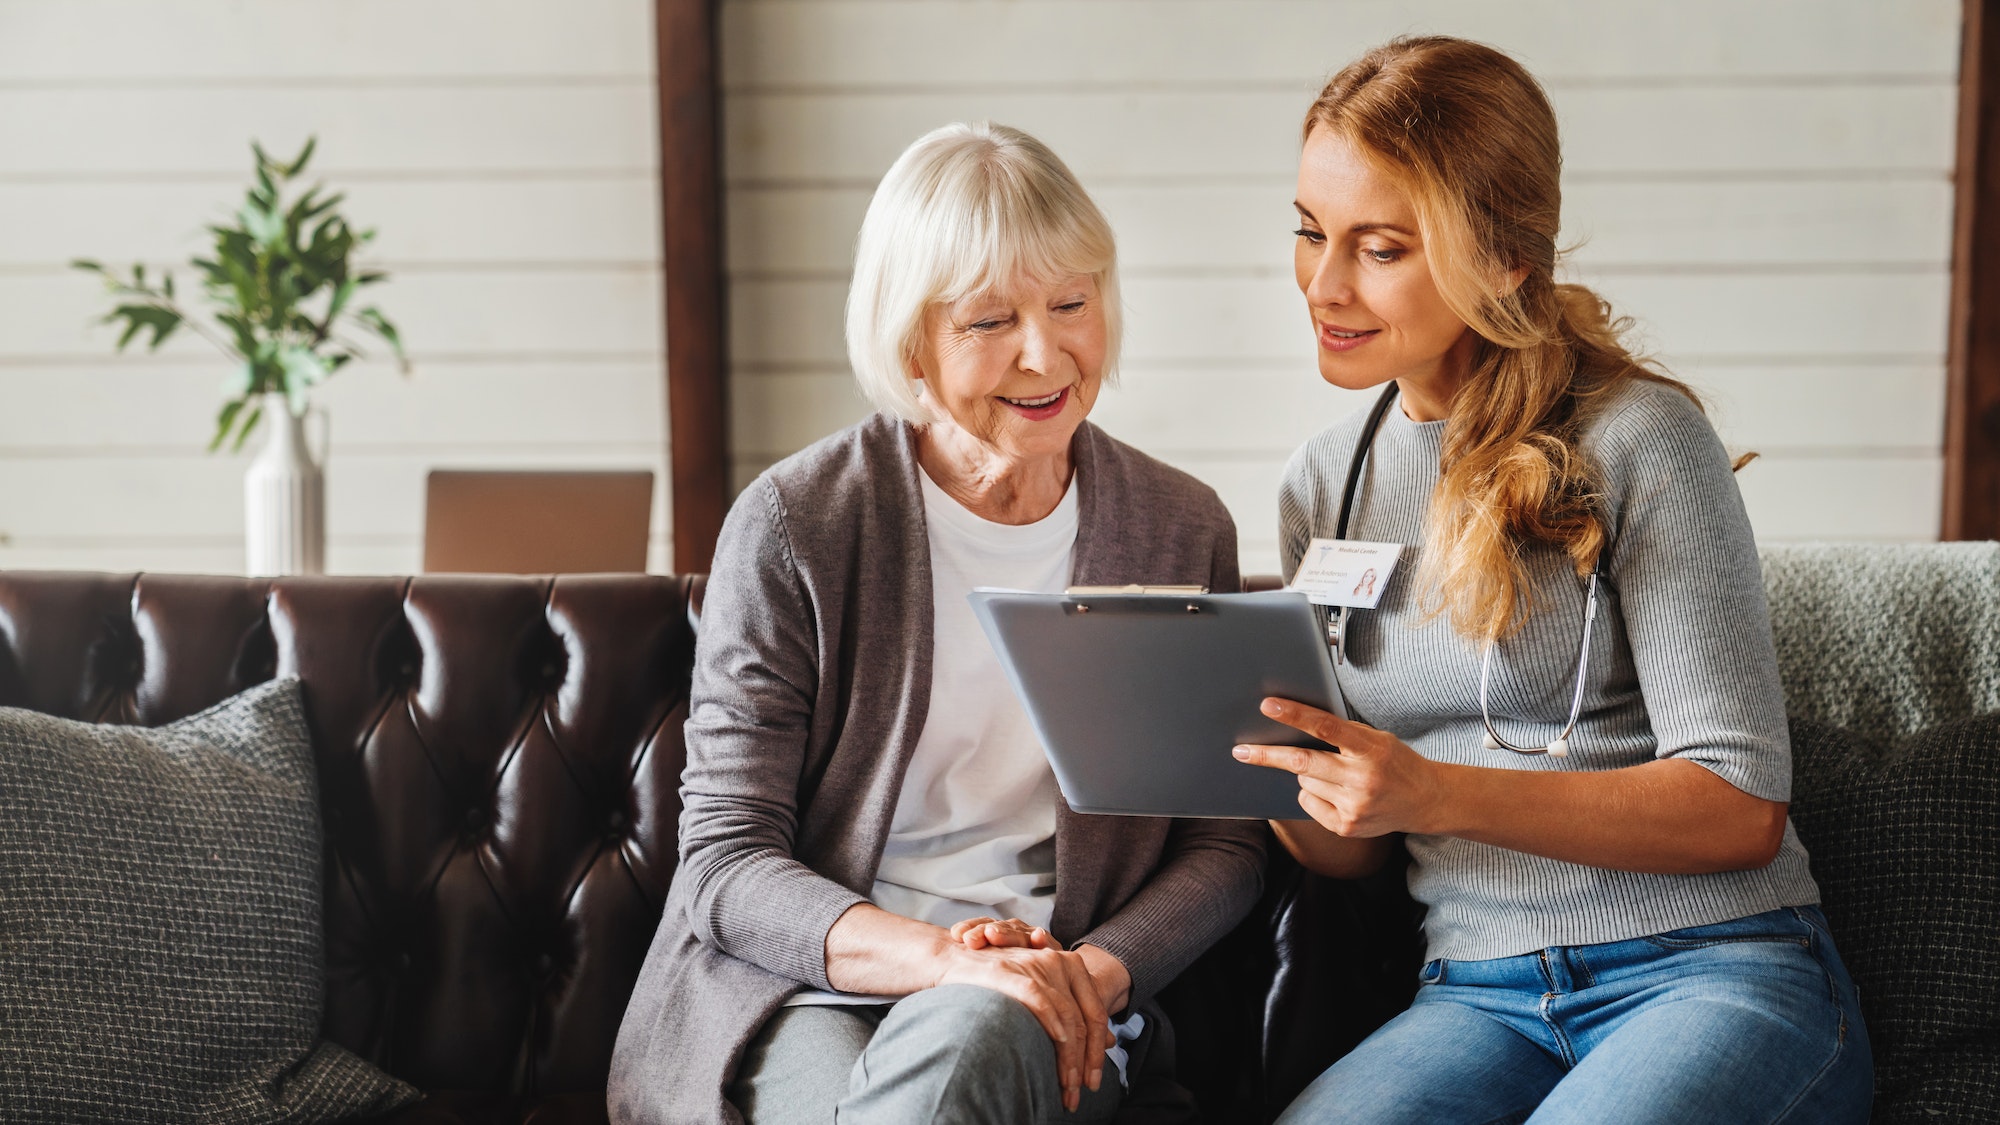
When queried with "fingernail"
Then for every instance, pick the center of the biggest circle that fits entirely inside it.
(1070, 1079)
(1272, 707)
(1240, 753)
(1096, 1077)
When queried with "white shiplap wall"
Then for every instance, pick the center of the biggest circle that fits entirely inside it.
(506, 151)
(1764, 184)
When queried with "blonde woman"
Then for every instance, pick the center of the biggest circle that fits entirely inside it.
(883, 908)
(1567, 700)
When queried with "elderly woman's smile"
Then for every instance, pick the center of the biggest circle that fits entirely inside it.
(1039, 408)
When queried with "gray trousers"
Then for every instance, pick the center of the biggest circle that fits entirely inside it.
(953, 1054)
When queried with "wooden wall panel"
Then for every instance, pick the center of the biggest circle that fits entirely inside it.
(144, 495)
(1971, 502)
(691, 220)
(1227, 134)
(1220, 320)
(297, 42)
(374, 130)
(97, 405)
(1879, 223)
(1151, 44)
(569, 312)
(488, 222)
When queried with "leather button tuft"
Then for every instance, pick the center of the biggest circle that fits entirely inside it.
(617, 822)
(544, 965)
(554, 666)
(403, 961)
(475, 819)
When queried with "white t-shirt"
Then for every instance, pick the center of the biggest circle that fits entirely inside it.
(974, 832)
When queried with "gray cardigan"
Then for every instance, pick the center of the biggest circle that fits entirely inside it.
(812, 679)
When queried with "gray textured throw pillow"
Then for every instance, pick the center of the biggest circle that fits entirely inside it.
(160, 944)
(1905, 843)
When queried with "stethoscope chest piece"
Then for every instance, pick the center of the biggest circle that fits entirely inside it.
(1557, 747)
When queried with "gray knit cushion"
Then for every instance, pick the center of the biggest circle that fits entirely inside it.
(160, 946)
(1886, 639)
(1905, 843)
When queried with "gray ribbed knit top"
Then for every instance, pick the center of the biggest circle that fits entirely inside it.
(1681, 665)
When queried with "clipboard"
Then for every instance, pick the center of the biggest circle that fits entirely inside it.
(1138, 697)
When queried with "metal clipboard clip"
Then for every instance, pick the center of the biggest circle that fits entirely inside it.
(1163, 592)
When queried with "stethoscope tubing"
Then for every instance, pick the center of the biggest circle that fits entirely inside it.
(1557, 747)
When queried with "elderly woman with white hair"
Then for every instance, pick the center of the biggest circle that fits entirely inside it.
(883, 906)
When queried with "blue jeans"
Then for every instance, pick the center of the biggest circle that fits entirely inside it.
(1752, 1020)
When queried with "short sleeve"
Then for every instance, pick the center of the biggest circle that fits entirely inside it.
(1685, 571)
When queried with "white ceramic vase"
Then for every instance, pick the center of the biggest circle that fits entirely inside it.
(284, 499)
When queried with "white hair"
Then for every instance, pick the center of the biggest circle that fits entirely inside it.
(964, 210)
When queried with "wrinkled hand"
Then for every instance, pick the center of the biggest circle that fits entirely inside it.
(1058, 988)
(1375, 785)
(1114, 981)
(994, 933)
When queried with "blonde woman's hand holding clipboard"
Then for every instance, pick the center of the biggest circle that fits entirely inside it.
(1374, 787)
(1671, 815)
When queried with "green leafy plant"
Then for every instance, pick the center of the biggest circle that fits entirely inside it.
(282, 283)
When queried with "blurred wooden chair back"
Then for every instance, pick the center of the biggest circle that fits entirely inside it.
(561, 522)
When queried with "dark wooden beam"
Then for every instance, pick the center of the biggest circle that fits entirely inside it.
(1972, 396)
(691, 231)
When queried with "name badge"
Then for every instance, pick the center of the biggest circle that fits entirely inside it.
(1346, 572)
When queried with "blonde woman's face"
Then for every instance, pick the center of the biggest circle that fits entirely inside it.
(1017, 368)
(1376, 311)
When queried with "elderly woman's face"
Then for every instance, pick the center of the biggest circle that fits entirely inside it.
(1018, 368)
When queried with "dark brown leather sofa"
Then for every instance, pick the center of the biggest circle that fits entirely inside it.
(499, 764)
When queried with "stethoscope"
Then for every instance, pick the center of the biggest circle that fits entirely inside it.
(1336, 626)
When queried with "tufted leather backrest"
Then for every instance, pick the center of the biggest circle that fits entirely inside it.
(499, 762)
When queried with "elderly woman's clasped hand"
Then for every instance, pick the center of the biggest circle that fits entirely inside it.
(1071, 992)
(983, 933)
